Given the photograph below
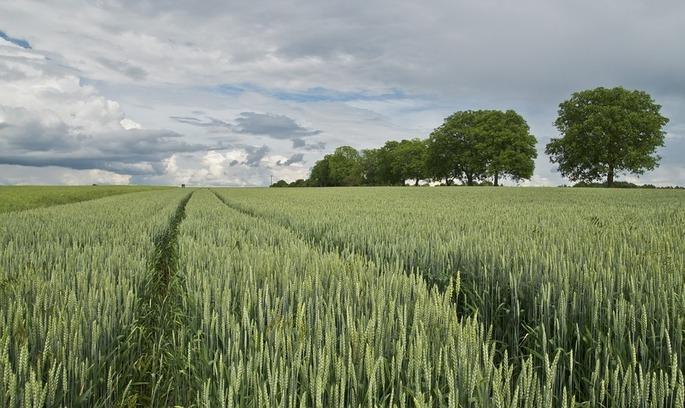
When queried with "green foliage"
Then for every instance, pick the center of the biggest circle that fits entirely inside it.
(320, 173)
(409, 160)
(296, 183)
(280, 183)
(379, 165)
(342, 168)
(469, 146)
(510, 148)
(395, 162)
(606, 132)
(472, 145)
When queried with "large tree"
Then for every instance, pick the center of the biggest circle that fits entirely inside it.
(409, 160)
(319, 175)
(345, 167)
(606, 132)
(456, 148)
(473, 145)
(510, 146)
(378, 165)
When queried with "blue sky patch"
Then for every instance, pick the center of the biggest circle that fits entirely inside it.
(18, 41)
(316, 94)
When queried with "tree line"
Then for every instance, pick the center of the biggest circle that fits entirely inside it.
(604, 132)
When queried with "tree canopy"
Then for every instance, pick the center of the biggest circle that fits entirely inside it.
(606, 132)
(470, 146)
(342, 168)
(473, 145)
(395, 162)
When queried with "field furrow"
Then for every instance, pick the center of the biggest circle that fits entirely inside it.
(151, 358)
(70, 280)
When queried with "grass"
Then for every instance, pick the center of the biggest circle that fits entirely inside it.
(16, 198)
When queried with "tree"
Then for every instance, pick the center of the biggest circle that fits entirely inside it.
(280, 183)
(342, 168)
(345, 167)
(457, 148)
(409, 160)
(606, 132)
(298, 183)
(510, 146)
(441, 158)
(319, 176)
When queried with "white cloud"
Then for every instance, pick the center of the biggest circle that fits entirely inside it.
(129, 124)
(10, 174)
(97, 68)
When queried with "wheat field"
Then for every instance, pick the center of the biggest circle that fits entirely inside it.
(348, 297)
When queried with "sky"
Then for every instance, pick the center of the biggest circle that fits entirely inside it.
(234, 93)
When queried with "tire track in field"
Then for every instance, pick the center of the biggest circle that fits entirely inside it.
(468, 285)
(331, 245)
(152, 357)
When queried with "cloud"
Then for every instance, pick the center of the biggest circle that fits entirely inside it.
(129, 152)
(251, 123)
(10, 174)
(255, 155)
(295, 158)
(48, 117)
(300, 77)
(272, 125)
(303, 145)
(208, 122)
(131, 71)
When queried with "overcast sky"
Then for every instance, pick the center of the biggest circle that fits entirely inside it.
(232, 92)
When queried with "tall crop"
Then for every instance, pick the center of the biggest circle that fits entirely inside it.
(285, 325)
(596, 275)
(69, 290)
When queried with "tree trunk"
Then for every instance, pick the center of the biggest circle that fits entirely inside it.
(610, 176)
(417, 182)
(469, 179)
(496, 179)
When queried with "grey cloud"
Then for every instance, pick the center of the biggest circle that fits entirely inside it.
(34, 136)
(275, 126)
(122, 67)
(209, 122)
(29, 142)
(259, 124)
(295, 158)
(255, 155)
(303, 145)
